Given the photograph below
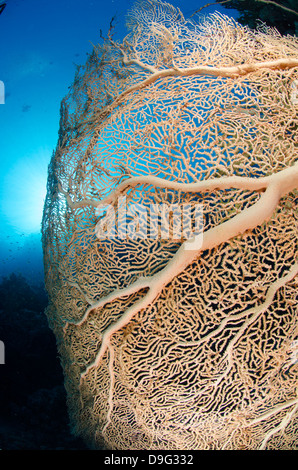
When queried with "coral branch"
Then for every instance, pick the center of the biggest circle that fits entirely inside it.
(141, 283)
(273, 411)
(285, 421)
(202, 70)
(225, 72)
(250, 218)
(288, 176)
(256, 312)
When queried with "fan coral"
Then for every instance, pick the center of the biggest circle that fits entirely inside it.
(165, 343)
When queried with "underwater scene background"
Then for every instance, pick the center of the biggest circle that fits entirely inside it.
(41, 44)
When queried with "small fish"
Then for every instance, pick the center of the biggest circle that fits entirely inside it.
(2, 6)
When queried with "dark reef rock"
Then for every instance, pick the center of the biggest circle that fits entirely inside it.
(33, 413)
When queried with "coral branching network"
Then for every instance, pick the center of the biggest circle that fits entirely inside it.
(170, 236)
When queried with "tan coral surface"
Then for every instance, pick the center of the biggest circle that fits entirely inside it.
(166, 344)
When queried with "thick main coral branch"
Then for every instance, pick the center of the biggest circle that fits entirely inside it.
(202, 70)
(288, 176)
(276, 185)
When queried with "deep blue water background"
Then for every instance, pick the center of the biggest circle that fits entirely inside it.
(40, 43)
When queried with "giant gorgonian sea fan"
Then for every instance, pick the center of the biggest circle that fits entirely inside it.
(167, 343)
